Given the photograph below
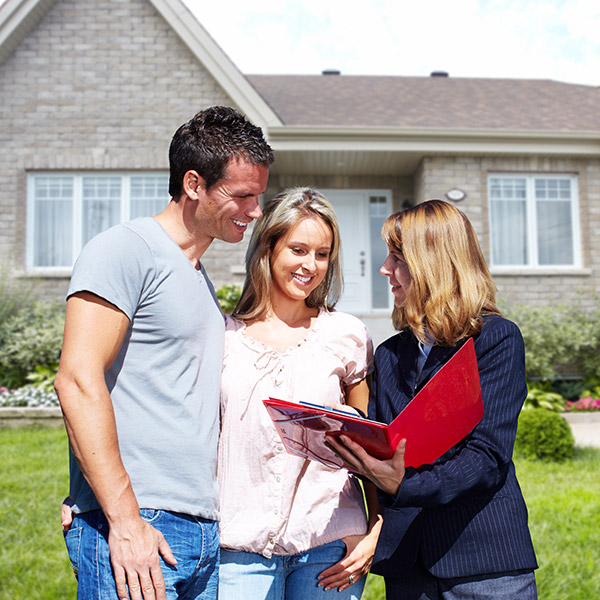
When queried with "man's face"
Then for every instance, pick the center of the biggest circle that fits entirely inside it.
(231, 204)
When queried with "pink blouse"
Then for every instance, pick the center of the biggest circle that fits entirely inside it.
(273, 502)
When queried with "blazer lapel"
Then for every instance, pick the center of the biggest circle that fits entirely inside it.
(438, 357)
(407, 352)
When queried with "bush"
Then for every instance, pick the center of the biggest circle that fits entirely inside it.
(559, 340)
(44, 376)
(541, 395)
(30, 337)
(544, 435)
(228, 296)
(570, 389)
(15, 295)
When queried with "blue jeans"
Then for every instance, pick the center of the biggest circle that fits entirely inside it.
(193, 540)
(249, 576)
(419, 584)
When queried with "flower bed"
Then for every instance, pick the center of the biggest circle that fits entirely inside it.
(28, 395)
(587, 404)
(29, 405)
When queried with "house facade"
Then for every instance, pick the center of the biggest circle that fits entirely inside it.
(91, 92)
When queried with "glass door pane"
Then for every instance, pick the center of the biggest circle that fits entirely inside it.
(378, 212)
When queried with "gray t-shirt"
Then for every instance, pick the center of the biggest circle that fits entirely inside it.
(165, 381)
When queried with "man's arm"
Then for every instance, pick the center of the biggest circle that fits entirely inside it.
(94, 333)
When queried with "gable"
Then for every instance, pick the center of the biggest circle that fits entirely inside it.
(105, 74)
(111, 36)
(93, 86)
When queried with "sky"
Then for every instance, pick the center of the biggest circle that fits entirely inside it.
(524, 39)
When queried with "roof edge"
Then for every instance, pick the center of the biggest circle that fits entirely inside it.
(292, 139)
(219, 65)
(309, 131)
(17, 19)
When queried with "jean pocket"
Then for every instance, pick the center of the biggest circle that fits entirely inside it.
(339, 544)
(151, 515)
(73, 543)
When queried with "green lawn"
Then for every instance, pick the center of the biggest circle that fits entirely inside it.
(563, 500)
(33, 559)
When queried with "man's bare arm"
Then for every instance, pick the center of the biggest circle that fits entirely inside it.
(94, 333)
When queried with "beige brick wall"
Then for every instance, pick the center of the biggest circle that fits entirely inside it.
(437, 175)
(98, 84)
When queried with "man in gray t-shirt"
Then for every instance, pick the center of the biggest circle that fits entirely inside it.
(140, 368)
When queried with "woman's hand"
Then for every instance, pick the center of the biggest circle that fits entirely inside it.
(387, 475)
(356, 564)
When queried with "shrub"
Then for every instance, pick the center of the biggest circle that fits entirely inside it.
(570, 389)
(43, 376)
(15, 295)
(540, 395)
(559, 340)
(545, 435)
(591, 388)
(228, 296)
(29, 338)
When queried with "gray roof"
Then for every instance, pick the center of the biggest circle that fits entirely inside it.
(430, 102)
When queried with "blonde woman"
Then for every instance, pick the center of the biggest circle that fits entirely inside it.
(291, 528)
(456, 528)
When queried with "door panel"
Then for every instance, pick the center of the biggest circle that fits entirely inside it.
(352, 212)
(360, 215)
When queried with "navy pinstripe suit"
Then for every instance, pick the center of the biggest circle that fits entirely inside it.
(465, 514)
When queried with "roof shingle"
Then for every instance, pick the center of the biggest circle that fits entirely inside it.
(430, 102)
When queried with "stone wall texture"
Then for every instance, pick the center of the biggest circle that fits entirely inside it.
(97, 85)
(437, 175)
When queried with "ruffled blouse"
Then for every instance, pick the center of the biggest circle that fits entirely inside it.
(273, 502)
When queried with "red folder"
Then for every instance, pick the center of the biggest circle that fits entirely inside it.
(444, 411)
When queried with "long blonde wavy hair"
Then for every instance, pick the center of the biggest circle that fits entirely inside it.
(280, 214)
(451, 286)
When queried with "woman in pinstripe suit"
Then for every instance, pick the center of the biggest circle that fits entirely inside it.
(456, 528)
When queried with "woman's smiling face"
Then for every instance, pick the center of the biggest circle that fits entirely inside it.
(300, 258)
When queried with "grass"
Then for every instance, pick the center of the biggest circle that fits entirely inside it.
(33, 559)
(564, 519)
(564, 516)
(563, 501)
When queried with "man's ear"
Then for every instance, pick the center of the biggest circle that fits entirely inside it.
(193, 184)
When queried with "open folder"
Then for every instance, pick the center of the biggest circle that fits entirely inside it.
(444, 411)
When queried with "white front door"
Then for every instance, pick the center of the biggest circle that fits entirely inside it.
(359, 225)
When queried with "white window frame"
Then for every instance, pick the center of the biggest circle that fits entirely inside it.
(125, 208)
(531, 224)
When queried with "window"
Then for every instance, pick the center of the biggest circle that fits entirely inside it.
(66, 211)
(534, 220)
(380, 287)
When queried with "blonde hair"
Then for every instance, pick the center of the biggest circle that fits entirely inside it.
(451, 286)
(280, 214)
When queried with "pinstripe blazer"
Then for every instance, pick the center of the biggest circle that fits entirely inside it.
(465, 514)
